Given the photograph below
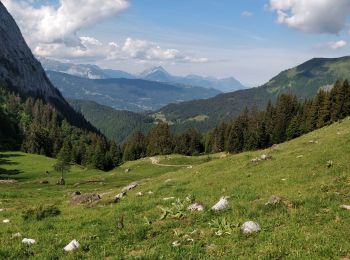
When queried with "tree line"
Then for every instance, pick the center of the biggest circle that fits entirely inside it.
(284, 120)
(34, 126)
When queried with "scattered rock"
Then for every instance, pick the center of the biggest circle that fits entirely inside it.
(119, 197)
(44, 182)
(131, 186)
(168, 180)
(169, 198)
(2, 210)
(150, 192)
(250, 227)
(140, 194)
(74, 244)
(28, 241)
(274, 200)
(300, 156)
(347, 207)
(195, 207)
(313, 142)
(6, 221)
(329, 164)
(263, 157)
(85, 198)
(76, 184)
(176, 244)
(9, 181)
(61, 182)
(221, 205)
(190, 167)
(76, 193)
(255, 160)
(127, 170)
(16, 235)
(275, 147)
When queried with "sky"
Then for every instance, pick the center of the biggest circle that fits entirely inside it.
(251, 40)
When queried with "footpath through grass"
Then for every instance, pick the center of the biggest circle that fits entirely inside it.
(313, 178)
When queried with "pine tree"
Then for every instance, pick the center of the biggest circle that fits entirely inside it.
(115, 154)
(235, 139)
(160, 140)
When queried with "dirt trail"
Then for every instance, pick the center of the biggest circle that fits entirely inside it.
(155, 161)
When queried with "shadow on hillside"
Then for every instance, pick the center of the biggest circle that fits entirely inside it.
(4, 160)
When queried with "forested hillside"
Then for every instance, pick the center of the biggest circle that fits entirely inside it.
(253, 129)
(114, 124)
(304, 81)
(34, 126)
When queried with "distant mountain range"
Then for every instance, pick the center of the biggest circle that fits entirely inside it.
(158, 74)
(136, 95)
(224, 85)
(304, 81)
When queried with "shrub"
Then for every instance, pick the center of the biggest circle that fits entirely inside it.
(40, 213)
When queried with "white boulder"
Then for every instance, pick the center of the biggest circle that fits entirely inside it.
(347, 207)
(250, 227)
(74, 244)
(16, 235)
(176, 244)
(221, 205)
(6, 221)
(195, 207)
(130, 186)
(28, 241)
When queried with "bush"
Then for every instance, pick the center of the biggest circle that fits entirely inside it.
(41, 213)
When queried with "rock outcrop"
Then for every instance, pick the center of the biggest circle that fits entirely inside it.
(18, 67)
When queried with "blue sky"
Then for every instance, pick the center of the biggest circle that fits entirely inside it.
(251, 40)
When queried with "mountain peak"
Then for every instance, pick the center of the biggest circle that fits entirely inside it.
(153, 70)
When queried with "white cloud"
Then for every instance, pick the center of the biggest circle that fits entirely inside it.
(334, 45)
(52, 31)
(91, 49)
(337, 45)
(247, 14)
(50, 24)
(312, 16)
(144, 50)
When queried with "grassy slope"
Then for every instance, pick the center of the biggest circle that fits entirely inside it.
(314, 227)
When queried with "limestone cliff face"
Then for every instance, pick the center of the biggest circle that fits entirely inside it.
(23, 73)
(18, 67)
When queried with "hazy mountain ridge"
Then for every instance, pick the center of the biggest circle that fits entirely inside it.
(127, 94)
(158, 74)
(82, 70)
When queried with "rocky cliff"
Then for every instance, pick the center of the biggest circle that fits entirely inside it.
(18, 67)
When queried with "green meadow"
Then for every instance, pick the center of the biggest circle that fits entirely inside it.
(312, 178)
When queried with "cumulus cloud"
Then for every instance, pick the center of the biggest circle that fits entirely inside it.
(52, 31)
(91, 49)
(312, 16)
(60, 24)
(334, 45)
(247, 14)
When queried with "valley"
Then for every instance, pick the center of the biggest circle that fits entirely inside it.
(124, 135)
(312, 194)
